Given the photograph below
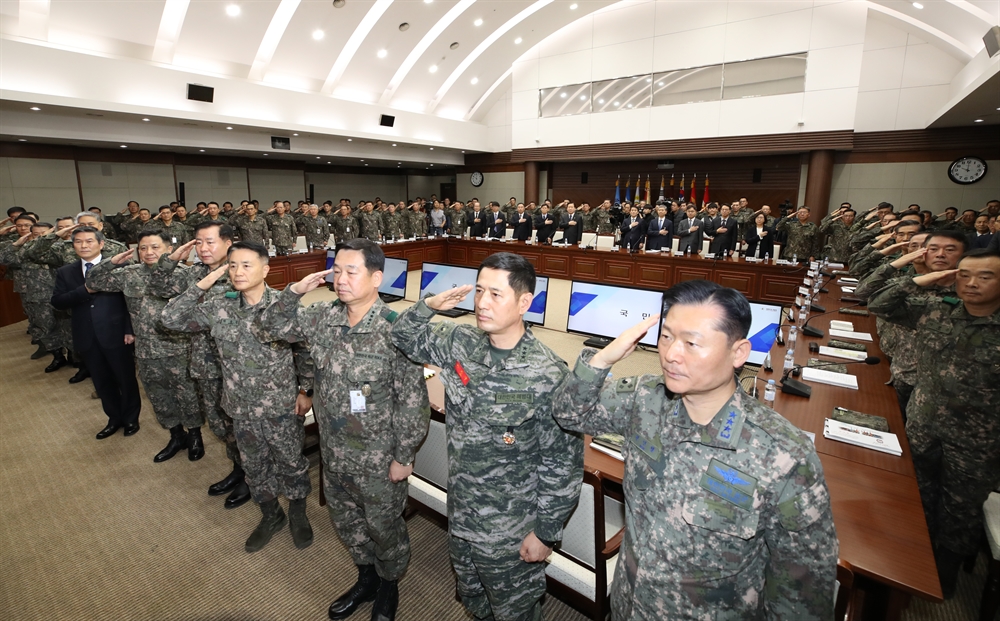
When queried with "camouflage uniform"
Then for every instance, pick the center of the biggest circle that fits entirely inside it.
(316, 230)
(393, 225)
(459, 222)
(511, 469)
(55, 252)
(177, 232)
(283, 232)
(418, 223)
(589, 221)
(838, 241)
(802, 238)
(261, 379)
(344, 228)
(255, 230)
(953, 417)
(163, 357)
(727, 520)
(744, 221)
(125, 227)
(170, 279)
(34, 282)
(406, 223)
(602, 220)
(371, 227)
(365, 507)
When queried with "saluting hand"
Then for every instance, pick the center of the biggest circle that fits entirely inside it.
(890, 249)
(22, 239)
(447, 300)
(123, 257)
(67, 232)
(310, 282)
(908, 258)
(182, 251)
(942, 278)
(624, 345)
(206, 283)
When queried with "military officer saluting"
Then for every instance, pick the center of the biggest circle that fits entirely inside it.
(727, 513)
(513, 475)
(371, 405)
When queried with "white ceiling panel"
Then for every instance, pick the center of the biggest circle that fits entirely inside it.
(135, 22)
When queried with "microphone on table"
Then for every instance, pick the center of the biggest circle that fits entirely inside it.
(801, 389)
(808, 330)
(832, 278)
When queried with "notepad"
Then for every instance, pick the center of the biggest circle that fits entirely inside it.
(849, 281)
(848, 334)
(607, 451)
(836, 352)
(862, 436)
(843, 380)
(847, 289)
(846, 326)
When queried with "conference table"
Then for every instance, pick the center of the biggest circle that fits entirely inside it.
(876, 504)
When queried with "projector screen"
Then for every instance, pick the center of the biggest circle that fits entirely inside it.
(394, 277)
(763, 330)
(536, 314)
(602, 310)
(436, 278)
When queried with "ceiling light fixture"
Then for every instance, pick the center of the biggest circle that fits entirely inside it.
(572, 7)
(318, 157)
(583, 98)
(145, 120)
(432, 165)
(22, 140)
(318, 35)
(563, 95)
(362, 160)
(478, 22)
(517, 41)
(394, 144)
(35, 108)
(295, 134)
(350, 140)
(978, 121)
(474, 80)
(229, 128)
(432, 148)
(917, 5)
(382, 53)
(232, 10)
(265, 155)
(433, 68)
(201, 150)
(124, 146)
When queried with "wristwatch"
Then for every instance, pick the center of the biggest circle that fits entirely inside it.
(406, 465)
(306, 393)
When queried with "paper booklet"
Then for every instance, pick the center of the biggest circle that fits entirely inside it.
(862, 436)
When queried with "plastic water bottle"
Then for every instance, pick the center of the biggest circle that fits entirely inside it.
(793, 335)
(687, 251)
(766, 257)
(795, 258)
(770, 392)
(789, 361)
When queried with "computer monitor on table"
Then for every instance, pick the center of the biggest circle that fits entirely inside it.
(436, 278)
(393, 285)
(605, 311)
(536, 312)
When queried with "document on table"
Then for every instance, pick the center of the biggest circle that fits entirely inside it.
(832, 378)
(846, 334)
(836, 352)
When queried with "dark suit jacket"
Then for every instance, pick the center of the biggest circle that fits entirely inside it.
(545, 231)
(98, 318)
(995, 243)
(723, 241)
(688, 238)
(656, 241)
(980, 241)
(571, 234)
(522, 232)
(632, 236)
(495, 229)
(477, 230)
(753, 240)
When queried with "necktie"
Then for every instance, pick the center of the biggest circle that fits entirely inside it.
(86, 268)
(661, 223)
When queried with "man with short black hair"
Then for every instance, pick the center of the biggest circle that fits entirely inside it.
(513, 475)
(727, 511)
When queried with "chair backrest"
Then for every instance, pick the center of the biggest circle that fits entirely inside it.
(331, 242)
(431, 461)
(509, 234)
(843, 591)
(558, 235)
(588, 239)
(606, 241)
(300, 243)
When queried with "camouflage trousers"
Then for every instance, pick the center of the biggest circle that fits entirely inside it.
(494, 583)
(280, 250)
(171, 391)
(42, 324)
(957, 466)
(367, 511)
(271, 452)
(209, 395)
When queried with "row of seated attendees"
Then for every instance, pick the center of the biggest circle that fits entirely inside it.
(213, 343)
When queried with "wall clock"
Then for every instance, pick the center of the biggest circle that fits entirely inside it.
(966, 170)
(477, 178)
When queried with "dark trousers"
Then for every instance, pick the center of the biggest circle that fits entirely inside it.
(113, 373)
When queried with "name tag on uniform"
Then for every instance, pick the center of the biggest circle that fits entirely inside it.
(729, 484)
(358, 402)
(649, 448)
(514, 397)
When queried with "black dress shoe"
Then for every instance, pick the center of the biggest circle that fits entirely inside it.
(131, 429)
(195, 445)
(108, 431)
(239, 496)
(58, 362)
(81, 375)
(227, 484)
(177, 442)
(39, 353)
(364, 590)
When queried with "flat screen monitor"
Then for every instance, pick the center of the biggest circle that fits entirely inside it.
(436, 278)
(605, 311)
(765, 318)
(394, 277)
(536, 313)
(330, 256)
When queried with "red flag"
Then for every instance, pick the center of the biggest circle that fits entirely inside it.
(681, 194)
(704, 201)
(694, 193)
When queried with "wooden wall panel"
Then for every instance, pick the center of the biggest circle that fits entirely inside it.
(653, 275)
(744, 282)
(589, 268)
(556, 265)
(779, 289)
(687, 272)
(619, 272)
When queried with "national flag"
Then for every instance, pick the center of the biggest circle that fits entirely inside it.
(618, 190)
(662, 195)
(628, 190)
(647, 189)
(704, 201)
(681, 194)
(638, 188)
(694, 192)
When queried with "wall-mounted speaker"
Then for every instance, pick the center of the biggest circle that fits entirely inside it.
(180, 193)
(197, 92)
(386, 121)
(757, 172)
(584, 177)
(312, 193)
(282, 143)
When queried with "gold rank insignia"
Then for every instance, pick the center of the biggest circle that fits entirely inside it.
(508, 436)
(366, 390)
(275, 345)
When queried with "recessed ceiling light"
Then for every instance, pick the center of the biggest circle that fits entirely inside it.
(517, 41)
(339, 3)
(659, 83)
(432, 148)
(433, 68)
(432, 165)
(394, 144)
(382, 53)
(232, 10)
(350, 139)
(463, 151)
(563, 95)
(978, 120)
(318, 157)
(616, 103)
(428, 1)
(265, 155)
(295, 134)
(474, 80)
(362, 160)
(201, 150)
(600, 101)
(917, 5)
(35, 108)
(124, 146)
(583, 98)
(22, 140)
(145, 120)
(229, 128)
(398, 163)
(478, 22)
(648, 80)
(318, 34)
(366, 164)
(630, 105)
(572, 7)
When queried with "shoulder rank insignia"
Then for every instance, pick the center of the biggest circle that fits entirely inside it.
(953, 301)
(626, 384)
(389, 315)
(232, 295)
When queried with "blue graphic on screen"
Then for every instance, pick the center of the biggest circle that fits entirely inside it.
(763, 330)
(394, 277)
(436, 278)
(330, 256)
(536, 313)
(608, 311)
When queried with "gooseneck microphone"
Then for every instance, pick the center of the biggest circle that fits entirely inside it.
(801, 389)
(808, 330)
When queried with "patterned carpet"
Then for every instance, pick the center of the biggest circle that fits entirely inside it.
(96, 531)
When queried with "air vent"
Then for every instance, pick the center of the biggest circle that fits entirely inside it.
(386, 121)
(106, 170)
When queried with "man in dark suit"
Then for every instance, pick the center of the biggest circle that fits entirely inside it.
(522, 223)
(102, 334)
(689, 230)
(661, 229)
(571, 225)
(982, 236)
(477, 220)
(724, 230)
(496, 221)
(545, 224)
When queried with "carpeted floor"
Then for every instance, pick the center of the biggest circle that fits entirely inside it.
(96, 531)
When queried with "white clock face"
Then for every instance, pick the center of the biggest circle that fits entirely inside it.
(967, 170)
(476, 179)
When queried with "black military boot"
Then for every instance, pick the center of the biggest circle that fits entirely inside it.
(298, 523)
(176, 443)
(39, 353)
(196, 446)
(239, 497)
(272, 520)
(386, 601)
(58, 361)
(364, 590)
(948, 564)
(227, 484)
